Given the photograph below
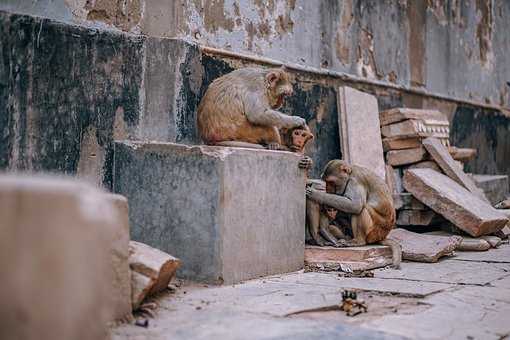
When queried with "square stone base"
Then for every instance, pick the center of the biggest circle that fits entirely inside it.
(229, 214)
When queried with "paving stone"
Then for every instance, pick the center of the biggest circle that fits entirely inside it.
(442, 157)
(415, 217)
(360, 133)
(501, 254)
(466, 313)
(424, 248)
(453, 202)
(215, 208)
(355, 258)
(399, 114)
(56, 239)
(157, 266)
(407, 156)
(495, 187)
(448, 271)
(398, 143)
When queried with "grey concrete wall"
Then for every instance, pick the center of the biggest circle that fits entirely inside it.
(451, 47)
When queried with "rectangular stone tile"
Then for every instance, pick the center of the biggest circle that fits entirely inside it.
(453, 202)
(398, 143)
(462, 154)
(355, 258)
(495, 187)
(448, 271)
(399, 114)
(217, 209)
(360, 133)
(501, 254)
(407, 156)
(442, 157)
(415, 128)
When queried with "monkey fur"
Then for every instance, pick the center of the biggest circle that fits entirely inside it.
(358, 192)
(241, 107)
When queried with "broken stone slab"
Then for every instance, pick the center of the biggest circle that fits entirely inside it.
(424, 248)
(425, 165)
(398, 143)
(442, 157)
(462, 154)
(360, 133)
(417, 128)
(56, 240)
(407, 156)
(156, 266)
(399, 114)
(455, 203)
(229, 214)
(406, 201)
(495, 187)
(467, 243)
(415, 217)
(350, 258)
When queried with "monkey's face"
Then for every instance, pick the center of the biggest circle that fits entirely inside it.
(300, 137)
(336, 177)
(279, 86)
(331, 212)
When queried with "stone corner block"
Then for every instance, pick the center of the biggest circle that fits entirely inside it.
(229, 214)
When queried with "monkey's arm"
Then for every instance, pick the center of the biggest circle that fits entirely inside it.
(258, 112)
(324, 230)
(351, 202)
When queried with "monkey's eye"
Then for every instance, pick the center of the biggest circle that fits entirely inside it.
(296, 133)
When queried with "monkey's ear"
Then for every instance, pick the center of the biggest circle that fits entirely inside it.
(309, 135)
(345, 168)
(272, 78)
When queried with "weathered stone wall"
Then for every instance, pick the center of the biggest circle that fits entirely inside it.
(455, 48)
(66, 92)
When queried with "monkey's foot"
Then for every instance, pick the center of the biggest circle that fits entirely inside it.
(274, 146)
(148, 309)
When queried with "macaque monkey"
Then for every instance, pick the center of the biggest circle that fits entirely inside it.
(240, 109)
(503, 204)
(358, 192)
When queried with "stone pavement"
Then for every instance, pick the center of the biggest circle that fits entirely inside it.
(466, 296)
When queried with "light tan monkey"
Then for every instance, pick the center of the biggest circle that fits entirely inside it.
(357, 191)
(239, 109)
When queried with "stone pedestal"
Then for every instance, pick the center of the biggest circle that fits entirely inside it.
(229, 214)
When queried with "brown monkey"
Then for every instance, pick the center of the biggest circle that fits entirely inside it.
(357, 191)
(295, 139)
(239, 109)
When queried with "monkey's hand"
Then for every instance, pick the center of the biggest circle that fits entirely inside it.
(305, 163)
(312, 194)
(298, 121)
(341, 243)
(274, 146)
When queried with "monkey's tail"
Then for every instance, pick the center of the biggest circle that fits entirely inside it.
(396, 250)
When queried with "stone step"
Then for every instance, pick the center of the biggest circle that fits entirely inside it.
(229, 214)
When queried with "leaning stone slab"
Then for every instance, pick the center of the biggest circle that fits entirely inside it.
(424, 248)
(360, 133)
(229, 214)
(446, 197)
(351, 258)
(445, 161)
(56, 239)
(156, 267)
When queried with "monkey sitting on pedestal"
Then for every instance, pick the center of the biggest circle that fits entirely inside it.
(239, 109)
(358, 192)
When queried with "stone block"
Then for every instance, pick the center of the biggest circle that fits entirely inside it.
(406, 201)
(56, 236)
(407, 156)
(425, 165)
(415, 217)
(462, 154)
(152, 270)
(495, 187)
(229, 214)
(445, 161)
(350, 258)
(398, 143)
(415, 128)
(360, 133)
(119, 249)
(455, 203)
(399, 114)
(424, 248)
